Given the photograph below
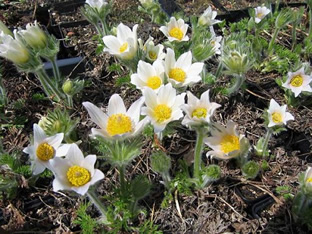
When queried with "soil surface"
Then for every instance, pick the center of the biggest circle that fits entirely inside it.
(221, 207)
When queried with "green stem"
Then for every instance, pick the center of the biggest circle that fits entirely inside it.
(98, 204)
(70, 101)
(294, 36)
(219, 70)
(239, 80)
(48, 86)
(167, 179)
(98, 29)
(310, 22)
(273, 41)
(56, 70)
(104, 27)
(123, 185)
(266, 141)
(198, 152)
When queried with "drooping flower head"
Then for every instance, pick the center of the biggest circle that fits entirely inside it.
(208, 17)
(198, 111)
(13, 49)
(298, 81)
(97, 4)
(44, 149)
(149, 75)
(226, 143)
(34, 36)
(118, 122)
(260, 13)
(75, 172)
(125, 45)
(277, 114)
(162, 107)
(182, 72)
(152, 51)
(175, 30)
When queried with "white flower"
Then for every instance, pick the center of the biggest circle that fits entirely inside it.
(215, 42)
(298, 82)
(208, 17)
(175, 30)
(152, 52)
(4, 29)
(149, 75)
(278, 114)
(260, 13)
(118, 122)
(182, 72)
(146, 3)
(75, 172)
(226, 142)
(45, 149)
(13, 49)
(97, 4)
(308, 178)
(34, 36)
(198, 111)
(125, 45)
(162, 107)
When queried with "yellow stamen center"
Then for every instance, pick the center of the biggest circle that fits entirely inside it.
(309, 180)
(200, 112)
(229, 143)
(123, 47)
(176, 33)
(152, 55)
(260, 15)
(177, 74)
(162, 112)
(277, 117)
(45, 151)
(78, 176)
(153, 82)
(296, 81)
(118, 124)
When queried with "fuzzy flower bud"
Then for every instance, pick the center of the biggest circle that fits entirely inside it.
(34, 36)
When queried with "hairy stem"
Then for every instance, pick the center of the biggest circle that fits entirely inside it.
(239, 80)
(98, 204)
(198, 152)
(266, 141)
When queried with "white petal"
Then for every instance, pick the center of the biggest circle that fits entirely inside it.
(74, 155)
(39, 134)
(38, 167)
(59, 184)
(56, 140)
(184, 61)
(135, 110)
(97, 116)
(112, 43)
(116, 105)
(62, 150)
(150, 97)
(98, 175)
(88, 163)
(82, 190)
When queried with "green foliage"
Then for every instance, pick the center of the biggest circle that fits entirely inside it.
(250, 169)
(39, 97)
(140, 187)
(148, 227)
(284, 191)
(85, 221)
(123, 80)
(3, 95)
(160, 162)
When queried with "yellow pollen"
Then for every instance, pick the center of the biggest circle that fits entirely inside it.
(123, 47)
(229, 143)
(260, 15)
(152, 55)
(78, 176)
(213, 43)
(309, 180)
(118, 124)
(277, 117)
(177, 74)
(153, 82)
(176, 33)
(296, 81)
(162, 112)
(45, 151)
(200, 112)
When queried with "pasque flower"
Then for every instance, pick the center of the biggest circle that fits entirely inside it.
(75, 172)
(182, 72)
(149, 75)
(162, 107)
(45, 149)
(34, 36)
(175, 30)
(208, 17)
(152, 51)
(125, 45)
(97, 4)
(198, 111)
(118, 122)
(308, 179)
(260, 13)
(277, 114)
(13, 49)
(298, 81)
(225, 142)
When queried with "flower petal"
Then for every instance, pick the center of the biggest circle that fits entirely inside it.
(116, 105)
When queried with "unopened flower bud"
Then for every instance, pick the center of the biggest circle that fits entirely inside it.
(34, 36)
(68, 87)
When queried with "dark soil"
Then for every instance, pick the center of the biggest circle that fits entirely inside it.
(219, 208)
